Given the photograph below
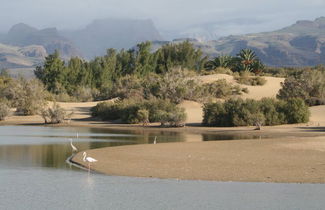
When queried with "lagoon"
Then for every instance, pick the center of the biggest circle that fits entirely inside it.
(34, 174)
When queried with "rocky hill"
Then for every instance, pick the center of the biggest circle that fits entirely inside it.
(301, 44)
(23, 35)
(21, 57)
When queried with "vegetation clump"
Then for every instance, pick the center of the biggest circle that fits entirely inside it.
(246, 78)
(54, 114)
(308, 85)
(145, 111)
(245, 61)
(239, 112)
(4, 110)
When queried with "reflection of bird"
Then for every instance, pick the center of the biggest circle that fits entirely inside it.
(74, 148)
(88, 159)
(155, 141)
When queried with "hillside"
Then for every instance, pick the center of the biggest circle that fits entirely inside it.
(21, 57)
(301, 44)
(98, 36)
(24, 35)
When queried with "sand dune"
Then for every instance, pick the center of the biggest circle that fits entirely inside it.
(270, 89)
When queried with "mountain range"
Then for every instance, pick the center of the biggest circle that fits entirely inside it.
(301, 44)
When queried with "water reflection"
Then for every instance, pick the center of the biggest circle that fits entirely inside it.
(27, 146)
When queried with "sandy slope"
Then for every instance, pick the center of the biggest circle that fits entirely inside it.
(317, 117)
(270, 89)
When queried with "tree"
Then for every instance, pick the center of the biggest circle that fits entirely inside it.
(223, 61)
(53, 73)
(30, 96)
(143, 116)
(4, 110)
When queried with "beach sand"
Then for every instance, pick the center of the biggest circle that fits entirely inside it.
(288, 160)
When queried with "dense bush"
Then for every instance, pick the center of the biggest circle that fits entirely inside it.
(135, 111)
(239, 112)
(221, 89)
(246, 79)
(308, 85)
(29, 96)
(54, 114)
(4, 110)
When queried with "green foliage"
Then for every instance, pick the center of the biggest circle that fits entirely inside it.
(239, 112)
(29, 96)
(115, 68)
(221, 89)
(4, 110)
(296, 111)
(135, 111)
(308, 85)
(245, 78)
(246, 60)
(143, 116)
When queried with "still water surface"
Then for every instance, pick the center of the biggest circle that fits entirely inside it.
(34, 175)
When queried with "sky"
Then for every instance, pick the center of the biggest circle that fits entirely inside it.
(231, 16)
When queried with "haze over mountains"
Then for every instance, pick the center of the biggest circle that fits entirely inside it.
(98, 36)
(301, 44)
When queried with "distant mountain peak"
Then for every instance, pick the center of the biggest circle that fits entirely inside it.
(21, 28)
(22, 35)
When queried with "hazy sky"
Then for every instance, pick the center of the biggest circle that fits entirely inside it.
(241, 16)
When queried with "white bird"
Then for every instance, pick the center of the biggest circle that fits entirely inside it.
(155, 141)
(74, 148)
(88, 159)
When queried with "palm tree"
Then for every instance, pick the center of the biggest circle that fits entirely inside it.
(220, 61)
(247, 57)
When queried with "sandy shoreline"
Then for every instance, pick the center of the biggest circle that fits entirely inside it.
(272, 160)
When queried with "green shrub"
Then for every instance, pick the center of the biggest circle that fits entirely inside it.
(143, 116)
(221, 89)
(4, 110)
(30, 97)
(135, 111)
(296, 111)
(239, 112)
(245, 78)
(308, 85)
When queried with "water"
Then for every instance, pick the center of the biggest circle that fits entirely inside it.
(34, 175)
